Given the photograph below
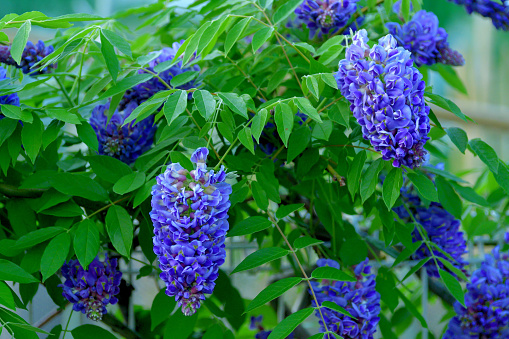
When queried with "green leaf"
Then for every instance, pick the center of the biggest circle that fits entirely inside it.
(285, 210)
(329, 43)
(126, 83)
(51, 133)
(312, 85)
(453, 286)
(86, 242)
(305, 241)
(337, 308)
(285, 10)
(486, 153)
(287, 325)
(322, 131)
(447, 263)
(305, 107)
(458, 137)
(9, 271)
(249, 226)
(412, 309)
(20, 40)
(469, 194)
(386, 286)
(276, 79)
(447, 104)
(117, 41)
(234, 102)
(31, 137)
(329, 79)
(120, 229)
(7, 127)
(340, 113)
(175, 105)
(392, 186)
(6, 296)
(183, 78)
(449, 74)
(331, 273)
(162, 306)
(260, 257)
(370, 179)
(502, 177)
(180, 326)
(15, 112)
(299, 141)
(108, 168)
(405, 9)
(448, 197)
(284, 121)
(259, 196)
(64, 115)
(110, 57)
(178, 157)
(246, 138)
(272, 292)
(258, 123)
(38, 236)
(91, 331)
(88, 135)
(354, 173)
(261, 36)
(235, 33)
(79, 185)
(129, 183)
(415, 268)
(424, 185)
(54, 255)
(205, 103)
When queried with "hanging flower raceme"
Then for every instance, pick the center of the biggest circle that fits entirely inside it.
(326, 16)
(189, 213)
(256, 325)
(359, 298)
(442, 229)
(427, 42)
(386, 93)
(496, 11)
(32, 54)
(146, 90)
(8, 99)
(125, 143)
(486, 311)
(92, 289)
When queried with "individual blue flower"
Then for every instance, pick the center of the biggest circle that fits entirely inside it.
(486, 311)
(256, 325)
(442, 228)
(190, 217)
(8, 99)
(359, 298)
(426, 40)
(32, 54)
(124, 142)
(144, 91)
(496, 11)
(326, 16)
(386, 93)
(92, 289)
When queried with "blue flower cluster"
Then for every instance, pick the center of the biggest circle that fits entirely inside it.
(125, 143)
(486, 314)
(359, 298)
(496, 11)
(189, 213)
(256, 324)
(326, 16)
(442, 229)
(31, 55)
(427, 42)
(146, 90)
(386, 93)
(9, 99)
(92, 289)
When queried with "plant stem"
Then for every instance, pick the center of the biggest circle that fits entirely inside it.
(67, 325)
(246, 76)
(108, 206)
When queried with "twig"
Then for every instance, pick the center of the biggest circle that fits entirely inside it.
(49, 318)
(246, 76)
(13, 191)
(353, 146)
(108, 206)
(118, 327)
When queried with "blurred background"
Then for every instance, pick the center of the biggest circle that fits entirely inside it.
(485, 75)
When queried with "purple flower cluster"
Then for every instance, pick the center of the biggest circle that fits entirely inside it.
(496, 11)
(326, 16)
(386, 93)
(256, 324)
(189, 213)
(9, 99)
(32, 54)
(486, 314)
(427, 42)
(125, 143)
(92, 289)
(442, 229)
(359, 298)
(146, 90)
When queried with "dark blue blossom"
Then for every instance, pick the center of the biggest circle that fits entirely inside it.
(256, 324)
(427, 42)
(442, 230)
(125, 143)
(146, 90)
(92, 289)
(496, 11)
(326, 16)
(32, 54)
(8, 99)
(189, 213)
(486, 311)
(359, 298)
(386, 93)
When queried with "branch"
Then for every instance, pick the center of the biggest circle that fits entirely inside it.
(13, 191)
(118, 327)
